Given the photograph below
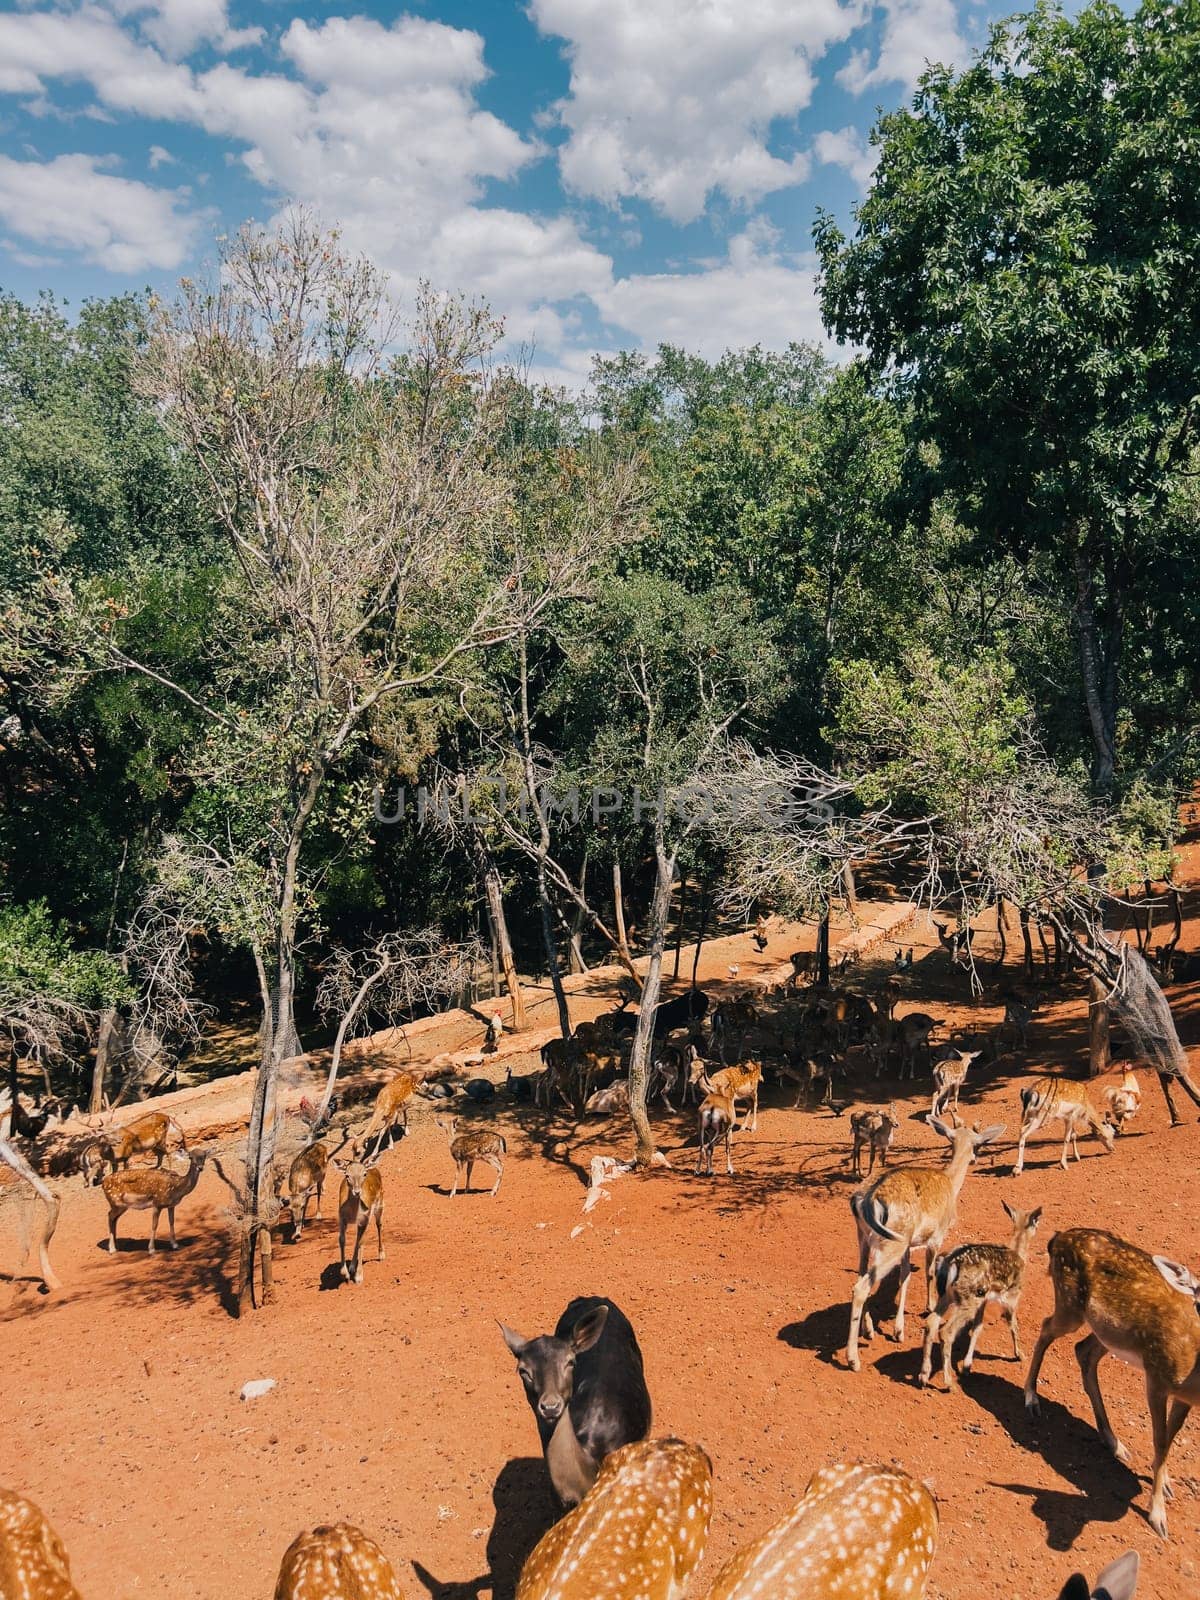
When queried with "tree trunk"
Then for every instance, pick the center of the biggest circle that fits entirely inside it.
(823, 950)
(12, 1157)
(683, 883)
(575, 940)
(1002, 931)
(619, 917)
(1099, 1050)
(560, 994)
(1100, 675)
(850, 889)
(639, 1060)
(107, 1038)
(701, 930)
(493, 890)
(1027, 941)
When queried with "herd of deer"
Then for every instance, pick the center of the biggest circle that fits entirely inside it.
(638, 1509)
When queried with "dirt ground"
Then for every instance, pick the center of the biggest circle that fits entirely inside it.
(397, 1405)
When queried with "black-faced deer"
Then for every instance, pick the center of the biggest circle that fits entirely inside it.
(858, 1533)
(475, 1144)
(1142, 1308)
(360, 1202)
(640, 1530)
(33, 1562)
(967, 1280)
(586, 1388)
(1060, 1100)
(1118, 1581)
(153, 1189)
(903, 1210)
(876, 1129)
(336, 1563)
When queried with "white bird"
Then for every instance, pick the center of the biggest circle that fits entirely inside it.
(733, 971)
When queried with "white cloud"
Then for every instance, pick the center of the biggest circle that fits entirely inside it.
(178, 27)
(69, 203)
(758, 295)
(159, 157)
(914, 32)
(848, 148)
(672, 99)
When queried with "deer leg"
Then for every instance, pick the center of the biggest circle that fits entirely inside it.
(1025, 1132)
(906, 1272)
(1156, 1399)
(1066, 1145)
(869, 1280)
(470, 1170)
(171, 1225)
(954, 1324)
(499, 1166)
(1010, 1314)
(358, 1239)
(1090, 1353)
(976, 1325)
(379, 1228)
(1057, 1325)
(112, 1232)
(342, 1246)
(1177, 1414)
(933, 1325)
(320, 1190)
(458, 1172)
(154, 1216)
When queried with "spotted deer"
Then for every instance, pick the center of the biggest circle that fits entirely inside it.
(967, 1279)
(154, 1134)
(476, 1144)
(1143, 1309)
(337, 1562)
(949, 1074)
(390, 1113)
(857, 1533)
(153, 1189)
(876, 1129)
(305, 1181)
(33, 1562)
(1060, 1100)
(360, 1202)
(903, 1210)
(640, 1530)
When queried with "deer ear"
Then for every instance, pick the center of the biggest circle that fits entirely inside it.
(513, 1340)
(1035, 1216)
(1180, 1278)
(989, 1134)
(588, 1329)
(1119, 1579)
(1009, 1210)
(938, 1126)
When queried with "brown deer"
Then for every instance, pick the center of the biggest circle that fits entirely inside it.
(903, 1210)
(949, 1074)
(476, 1144)
(336, 1563)
(1060, 1100)
(360, 1202)
(967, 1279)
(913, 1033)
(390, 1113)
(33, 1563)
(305, 1179)
(717, 1118)
(858, 1533)
(738, 1083)
(1144, 1310)
(804, 965)
(153, 1134)
(153, 1189)
(876, 1129)
(640, 1530)
(1124, 1101)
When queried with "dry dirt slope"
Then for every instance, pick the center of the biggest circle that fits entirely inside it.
(397, 1405)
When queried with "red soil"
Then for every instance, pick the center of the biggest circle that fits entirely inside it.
(398, 1407)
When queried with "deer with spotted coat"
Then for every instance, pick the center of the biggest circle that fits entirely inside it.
(336, 1562)
(905, 1209)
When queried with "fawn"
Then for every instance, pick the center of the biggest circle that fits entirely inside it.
(336, 1563)
(360, 1202)
(858, 1533)
(153, 1134)
(1058, 1099)
(949, 1074)
(1141, 1308)
(587, 1390)
(966, 1280)
(306, 1178)
(1123, 1102)
(153, 1189)
(477, 1144)
(640, 1530)
(33, 1563)
(903, 1210)
(876, 1129)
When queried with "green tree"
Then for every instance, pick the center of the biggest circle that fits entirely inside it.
(1024, 266)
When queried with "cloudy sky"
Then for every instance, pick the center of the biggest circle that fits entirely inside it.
(608, 173)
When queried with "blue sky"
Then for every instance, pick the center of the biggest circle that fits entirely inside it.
(607, 173)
